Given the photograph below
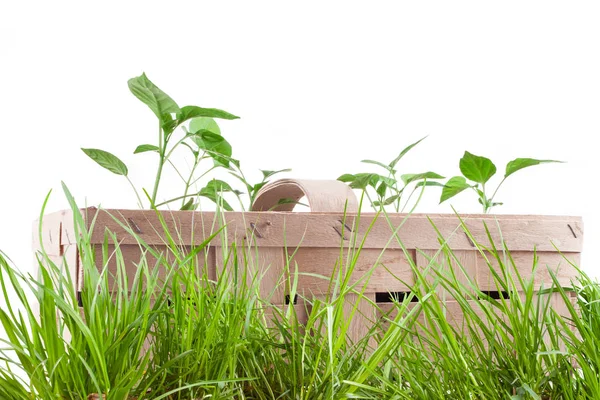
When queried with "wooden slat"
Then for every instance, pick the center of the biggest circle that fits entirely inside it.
(275, 229)
(462, 266)
(132, 254)
(524, 261)
(387, 272)
(364, 315)
(265, 265)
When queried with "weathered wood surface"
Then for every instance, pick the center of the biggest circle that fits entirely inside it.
(285, 229)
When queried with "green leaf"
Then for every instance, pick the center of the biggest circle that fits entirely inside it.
(189, 205)
(142, 148)
(213, 190)
(347, 178)
(520, 163)
(217, 199)
(207, 124)
(429, 183)
(408, 178)
(258, 186)
(381, 189)
(363, 180)
(387, 167)
(390, 200)
(218, 185)
(476, 168)
(267, 174)
(107, 160)
(403, 152)
(189, 112)
(215, 145)
(454, 186)
(157, 100)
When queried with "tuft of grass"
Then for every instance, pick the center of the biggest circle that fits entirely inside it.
(174, 330)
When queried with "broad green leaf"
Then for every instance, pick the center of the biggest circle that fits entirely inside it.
(189, 112)
(189, 205)
(454, 186)
(107, 160)
(267, 174)
(258, 186)
(429, 183)
(347, 178)
(403, 153)
(215, 145)
(476, 168)
(363, 180)
(142, 148)
(218, 186)
(168, 124)
(390, 200)
(202, 123)
(520, 163)
(382, 189)
(212, 191)
(157, 100)
(386, 202)
(408, 178)
(217, 199)
(387, 167)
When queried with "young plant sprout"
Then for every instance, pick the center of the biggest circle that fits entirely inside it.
(203, 139)
(479, 170)
(388, 189)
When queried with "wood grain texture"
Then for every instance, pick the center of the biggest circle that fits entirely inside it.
(460, 266)
(257, 267)
(277, 229)
(523, 263)
(128, 259)
(373, 269)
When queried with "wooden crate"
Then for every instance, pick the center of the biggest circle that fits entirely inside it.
(274, 236)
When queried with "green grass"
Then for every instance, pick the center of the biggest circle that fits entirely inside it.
(185, 336)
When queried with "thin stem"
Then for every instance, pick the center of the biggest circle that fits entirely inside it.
(410, 196)
(176, 198)
(136, 192)
(187, 182)
(201, 176)
(177, 171)
(175, 146)
(498, 187)
(161, 161)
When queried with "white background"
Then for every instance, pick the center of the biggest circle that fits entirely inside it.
(319, 86)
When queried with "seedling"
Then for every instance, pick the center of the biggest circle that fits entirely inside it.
(478, 170)
(388, 189)
(202, 137)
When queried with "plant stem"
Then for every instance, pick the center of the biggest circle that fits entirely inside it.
(187, 182)
(176, 198)
(498, 187)
(161, 151)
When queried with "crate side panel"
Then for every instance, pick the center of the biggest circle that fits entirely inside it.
(376, 271)
(522, 264)
(275, 229)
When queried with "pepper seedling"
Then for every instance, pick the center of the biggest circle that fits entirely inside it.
(389, 190)
(202, 137)
(478, 170)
